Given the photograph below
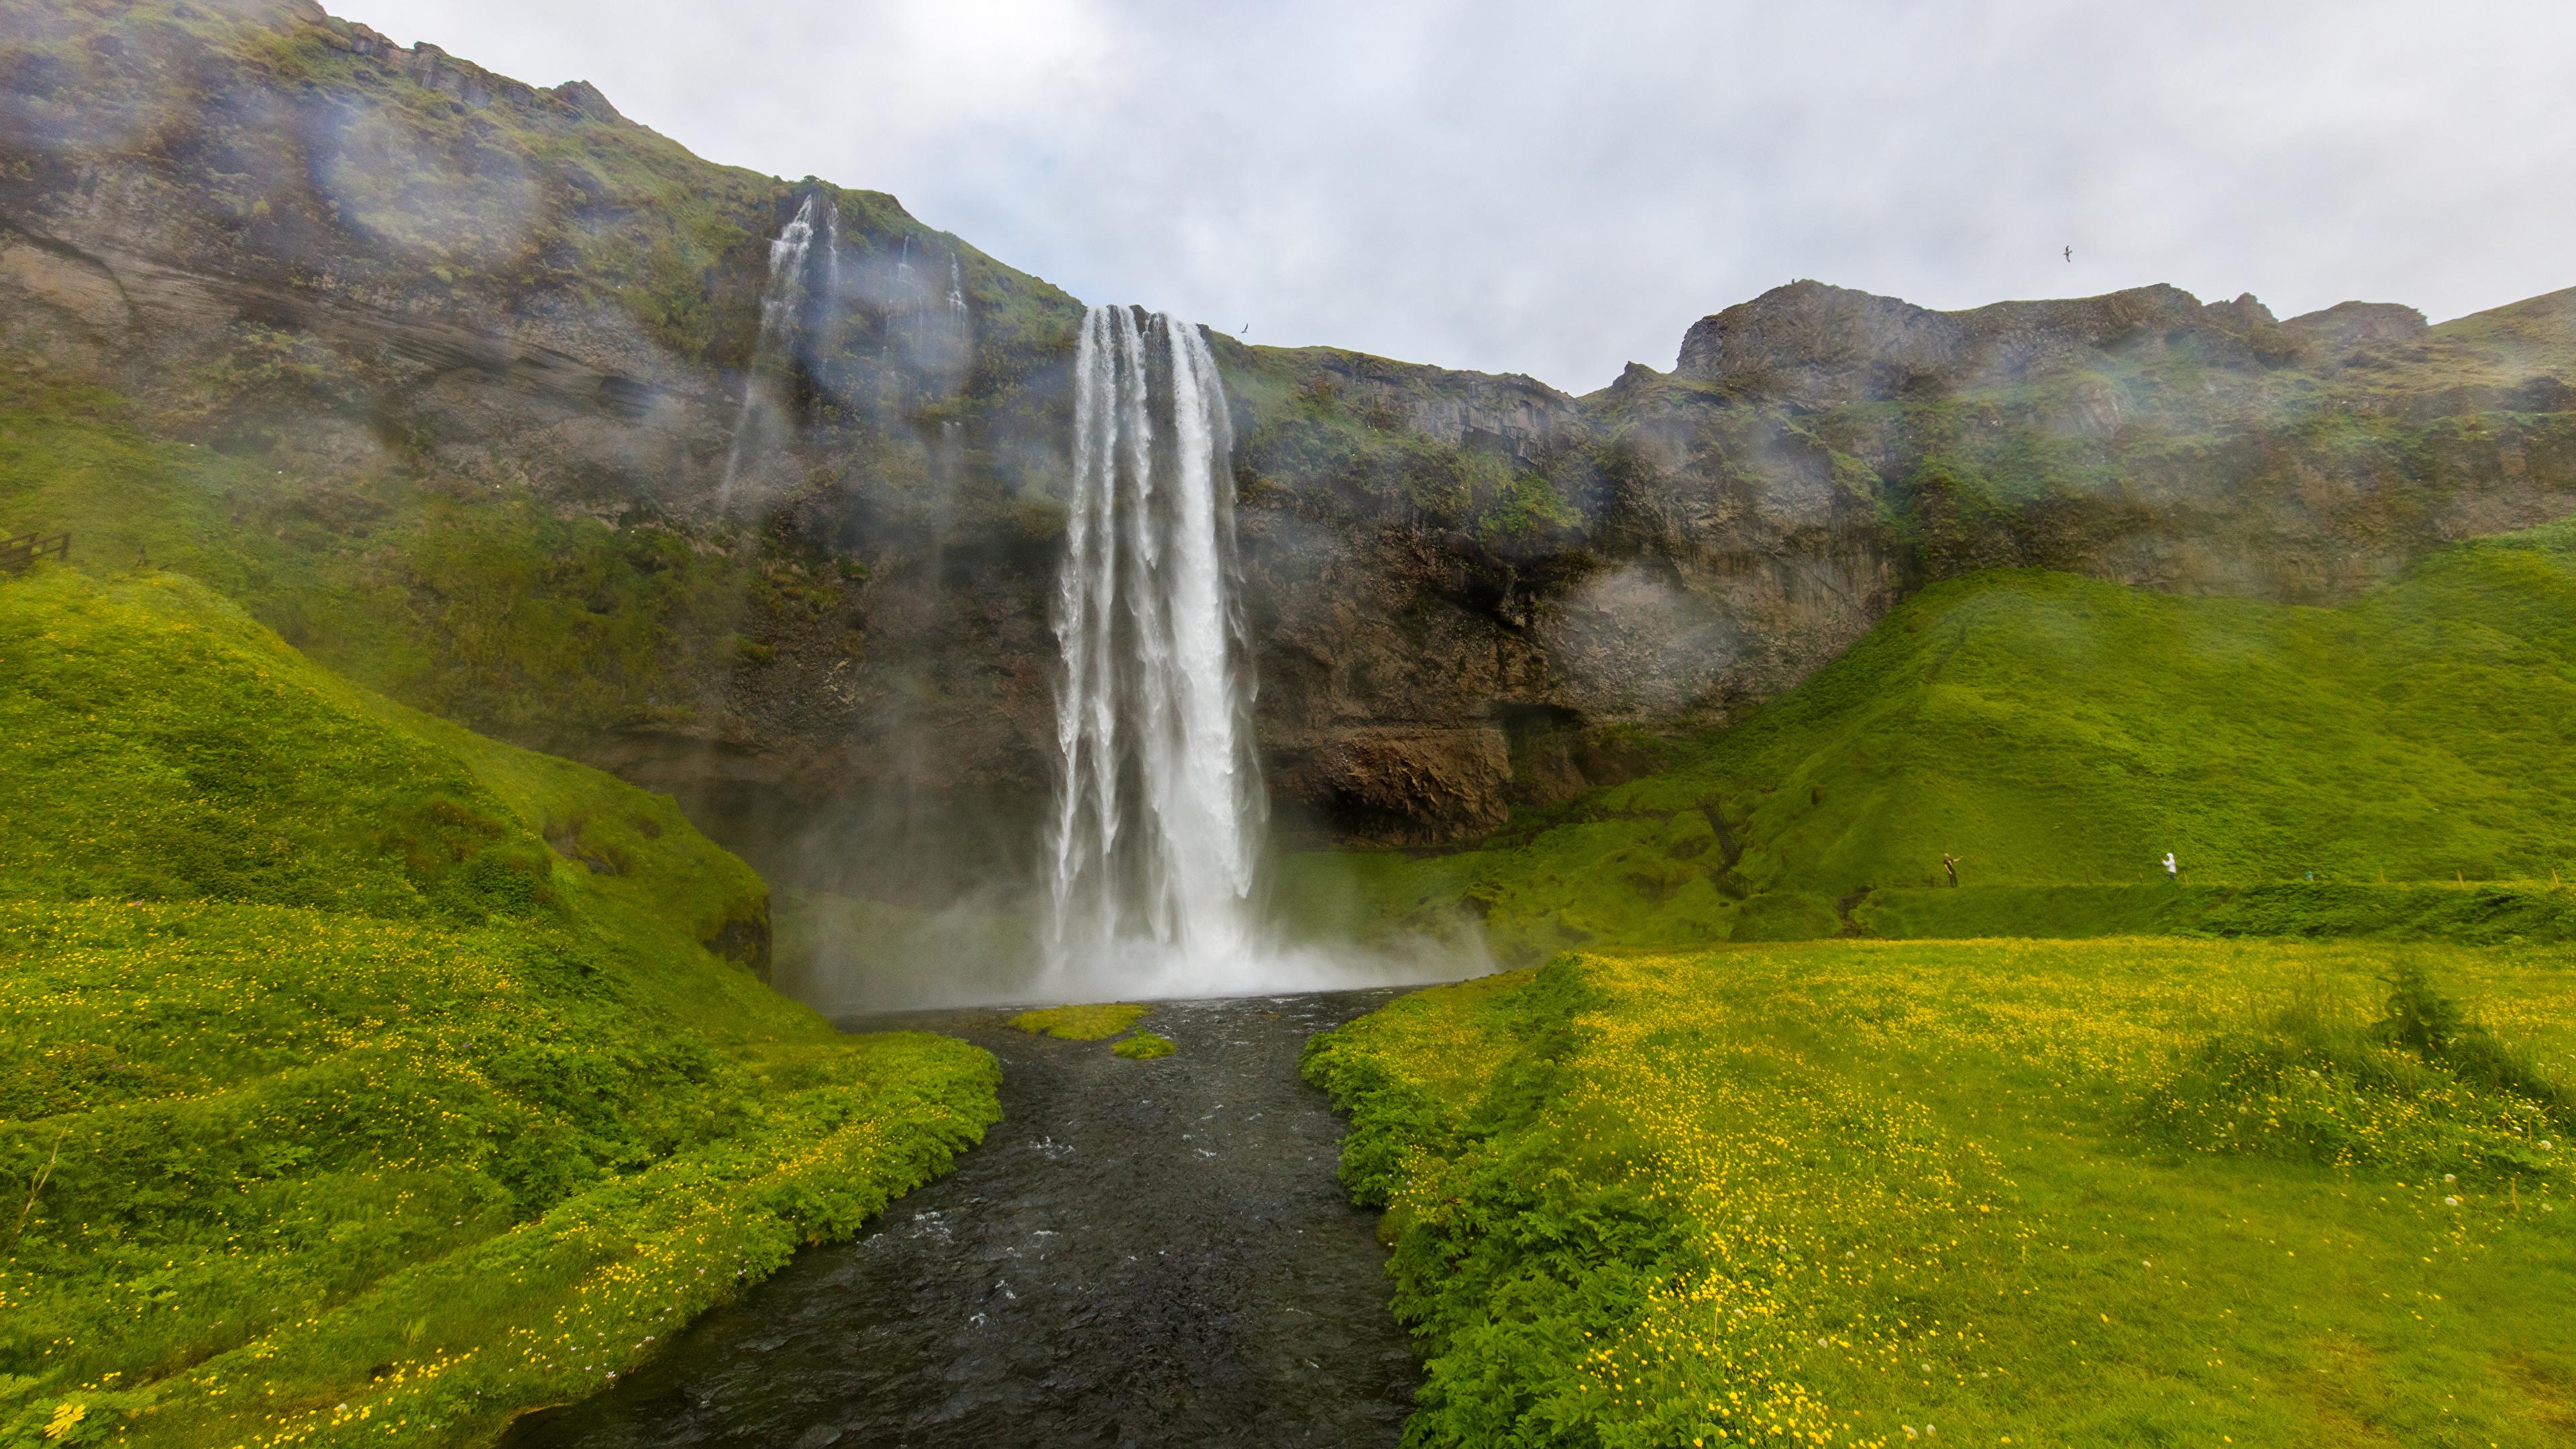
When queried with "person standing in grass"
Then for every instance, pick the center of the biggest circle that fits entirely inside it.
(2173, 872)
(1950, 863)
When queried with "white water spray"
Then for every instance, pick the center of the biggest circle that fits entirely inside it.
(1159, 817)
(782, 304)
(1159, 809)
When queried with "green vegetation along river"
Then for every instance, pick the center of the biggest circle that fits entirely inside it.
(1141, 1253)
(359, 1071)
(1981, 1192)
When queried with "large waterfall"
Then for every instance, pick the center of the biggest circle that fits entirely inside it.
(1159, 809)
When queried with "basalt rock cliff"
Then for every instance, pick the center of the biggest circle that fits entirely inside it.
(448, 376)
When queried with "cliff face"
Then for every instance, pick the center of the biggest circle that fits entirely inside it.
(487, 347)
(475, 356)
(1550, 592)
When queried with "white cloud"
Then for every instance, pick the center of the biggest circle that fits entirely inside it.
(1557, 189)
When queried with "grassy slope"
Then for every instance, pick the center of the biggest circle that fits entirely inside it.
(1982, 1192)
(2052, 730)
(492, 611)
(353, 1098)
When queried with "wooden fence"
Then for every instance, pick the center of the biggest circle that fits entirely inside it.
(17, 555)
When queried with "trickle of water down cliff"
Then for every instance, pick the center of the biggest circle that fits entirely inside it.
(782, 298)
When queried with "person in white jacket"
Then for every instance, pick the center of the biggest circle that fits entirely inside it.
(2173, 872)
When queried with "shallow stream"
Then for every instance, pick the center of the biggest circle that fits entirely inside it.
(1140, 1253)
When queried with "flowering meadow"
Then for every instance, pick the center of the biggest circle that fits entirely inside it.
(2127, 1191)
(365, 1081)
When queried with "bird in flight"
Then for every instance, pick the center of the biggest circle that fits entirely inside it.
(2070, 256)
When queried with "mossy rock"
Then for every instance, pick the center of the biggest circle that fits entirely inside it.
(1144, 1046)
(1082, 1023)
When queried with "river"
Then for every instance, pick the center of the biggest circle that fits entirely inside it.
(1140, 1253)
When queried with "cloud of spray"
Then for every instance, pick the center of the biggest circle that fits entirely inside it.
(1271, 968)
(434, 200)
(847, 956)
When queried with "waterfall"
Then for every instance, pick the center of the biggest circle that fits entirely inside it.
(1159, 808)
(782, 308)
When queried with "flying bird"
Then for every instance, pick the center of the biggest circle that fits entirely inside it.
(2070, 256)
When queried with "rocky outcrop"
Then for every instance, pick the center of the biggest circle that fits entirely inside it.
(1518, 415)
(1815, 344)
(2351, 324)
(440, 304)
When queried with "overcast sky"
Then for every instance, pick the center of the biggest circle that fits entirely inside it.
(1559, 189)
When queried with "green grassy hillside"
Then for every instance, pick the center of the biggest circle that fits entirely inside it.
(1871, 1194)
(486, 609)
(2057, 731)
(357, 1069)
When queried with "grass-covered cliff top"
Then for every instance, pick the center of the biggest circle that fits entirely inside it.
(357, 1070)
(2052, 731)
(1985, 1193)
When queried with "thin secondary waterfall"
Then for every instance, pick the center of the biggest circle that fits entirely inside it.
(782, 306)
(1159, 811)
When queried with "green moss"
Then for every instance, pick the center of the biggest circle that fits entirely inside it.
(1144, 1046)
(256, 783)
(316, 1001)
(1082, 1023)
